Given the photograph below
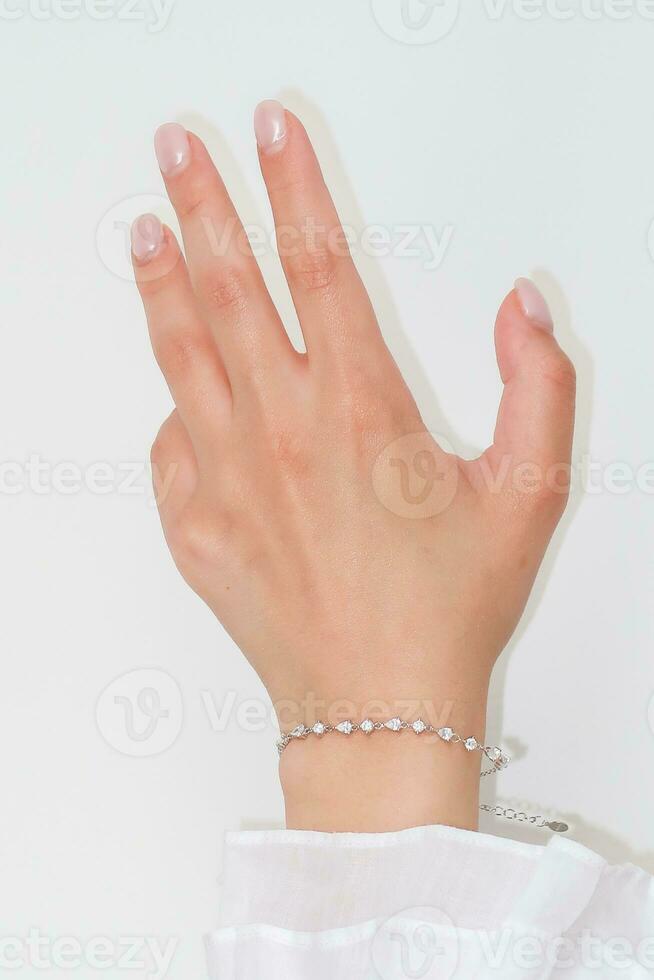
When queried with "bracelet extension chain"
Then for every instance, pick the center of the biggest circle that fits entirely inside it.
(498, 759)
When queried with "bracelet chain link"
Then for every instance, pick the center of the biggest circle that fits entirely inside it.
(498, 759)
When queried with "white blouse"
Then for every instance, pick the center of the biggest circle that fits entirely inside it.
(433, 903)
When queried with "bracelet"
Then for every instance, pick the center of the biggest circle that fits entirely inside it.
(498, 759)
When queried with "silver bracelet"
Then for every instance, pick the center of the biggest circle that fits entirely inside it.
(498, 759)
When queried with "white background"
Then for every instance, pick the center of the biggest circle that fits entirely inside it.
(532, 140)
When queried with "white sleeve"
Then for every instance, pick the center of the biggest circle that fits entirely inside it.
(432, 903)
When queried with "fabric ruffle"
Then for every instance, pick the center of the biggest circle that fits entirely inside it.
(432, 902)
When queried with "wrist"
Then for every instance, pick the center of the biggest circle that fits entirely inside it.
(387, 780)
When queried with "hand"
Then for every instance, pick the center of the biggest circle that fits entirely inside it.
(346, 553)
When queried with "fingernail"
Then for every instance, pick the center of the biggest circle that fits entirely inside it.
(172, 148)
(270, 125)
(147, 236)
(534, 304)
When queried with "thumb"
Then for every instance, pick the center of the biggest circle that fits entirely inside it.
(536, 416)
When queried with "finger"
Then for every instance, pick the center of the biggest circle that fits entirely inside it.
(225, 275)
(174, 468)
(181, 340)
(536, 417)
(332, 304)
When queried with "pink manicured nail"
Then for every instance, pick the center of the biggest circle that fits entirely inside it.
(270, 125)
(534, 304)
(172, 148)
(147, 235)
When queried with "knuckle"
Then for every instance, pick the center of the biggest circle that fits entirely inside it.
(188, 539)
(197, 539)
(313, 270)
(157, 451)
(360, 399)
(542, 498)
(193, 205)
(163, 442)
(548, 499)
(225, 288)
(194, 195)
(364, 413)
(176, 351)
(290, 450)
(559, 369)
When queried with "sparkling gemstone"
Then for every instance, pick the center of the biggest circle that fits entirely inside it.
(446, 734)
(471, 744)
(498, 758)
(367, 726)
(318, 728)
(298, 732)
(394, 724)
(419, 726)
(345, 727)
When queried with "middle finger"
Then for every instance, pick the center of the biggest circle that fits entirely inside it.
(225, 275)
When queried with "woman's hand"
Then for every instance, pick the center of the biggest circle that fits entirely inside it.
(345, 552)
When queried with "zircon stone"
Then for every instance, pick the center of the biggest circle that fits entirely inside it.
(497, 757)
(318, 728)
(419, 726)
(345, 727)
(298, 732)
(394, 725)
(471, 744)
(446, 734)
(367, 726)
